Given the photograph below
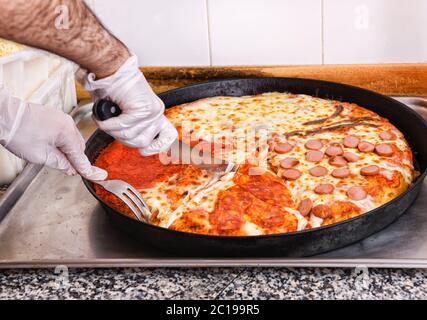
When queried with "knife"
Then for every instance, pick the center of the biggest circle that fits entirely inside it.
(179, 152)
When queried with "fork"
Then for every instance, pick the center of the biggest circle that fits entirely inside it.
(133, 199)
(130, 196)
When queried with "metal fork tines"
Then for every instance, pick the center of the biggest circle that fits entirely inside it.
(130, 196)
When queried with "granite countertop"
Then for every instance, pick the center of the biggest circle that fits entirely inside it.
(214, 283)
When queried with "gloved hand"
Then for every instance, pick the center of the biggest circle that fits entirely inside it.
(142, 116)
(44, 136)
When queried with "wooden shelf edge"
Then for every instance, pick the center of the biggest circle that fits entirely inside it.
(389, 79)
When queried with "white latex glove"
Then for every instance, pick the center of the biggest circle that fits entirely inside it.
(44, 136)
(142, 116)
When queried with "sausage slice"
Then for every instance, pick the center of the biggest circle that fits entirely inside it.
(324, 188)
(333, 151)
(338, 161)
(350, 156)
(322, 211)
(387, 135)
(365, 146)
(314, 156)
(351, 141)
(288, 163)
(384, 149)
(318, 171)
(291, 174)
(314, 144)
(356, 193)
(305, 206)
(370, 170)
(340, 173)
(283, 147)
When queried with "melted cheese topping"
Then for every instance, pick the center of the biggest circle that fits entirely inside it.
(169, 198)
(245, 123)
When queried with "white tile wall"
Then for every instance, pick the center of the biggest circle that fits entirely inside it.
(268, 32)
(250, 32)
(160, 32)
(375, 31)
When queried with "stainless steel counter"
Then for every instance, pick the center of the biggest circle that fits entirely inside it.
(57, 222)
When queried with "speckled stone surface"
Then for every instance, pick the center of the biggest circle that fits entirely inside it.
(214, 283)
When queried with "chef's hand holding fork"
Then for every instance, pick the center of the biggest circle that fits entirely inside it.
(43, 135)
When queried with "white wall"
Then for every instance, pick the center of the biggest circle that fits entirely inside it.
(268, 32)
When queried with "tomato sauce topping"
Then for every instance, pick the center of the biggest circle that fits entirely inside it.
(266, 187)
(129, 165)
(266, 215)
(227, 217)
(258, 199)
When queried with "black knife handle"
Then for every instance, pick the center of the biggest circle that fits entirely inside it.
(104, 109)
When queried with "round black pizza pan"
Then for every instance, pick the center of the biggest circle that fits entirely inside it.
(295, 244)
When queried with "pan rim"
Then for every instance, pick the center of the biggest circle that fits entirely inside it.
(412, 186)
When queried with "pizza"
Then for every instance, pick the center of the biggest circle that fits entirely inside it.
(302, 162)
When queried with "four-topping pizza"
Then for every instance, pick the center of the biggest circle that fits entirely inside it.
(304, 162)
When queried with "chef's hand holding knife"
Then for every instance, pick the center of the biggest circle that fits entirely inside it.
(141, 123)
(45, 136)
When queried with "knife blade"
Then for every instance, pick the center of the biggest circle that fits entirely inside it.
(181, 152)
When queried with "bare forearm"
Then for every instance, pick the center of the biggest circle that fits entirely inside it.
(81, 39)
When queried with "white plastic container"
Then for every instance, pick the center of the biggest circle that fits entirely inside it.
(39, 77)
